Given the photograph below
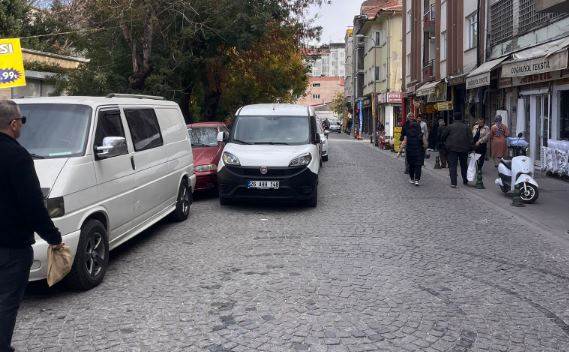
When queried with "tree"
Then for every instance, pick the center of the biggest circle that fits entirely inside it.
(338, 104)
(192, 51)
(14, 14)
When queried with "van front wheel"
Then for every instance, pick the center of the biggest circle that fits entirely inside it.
(183, 203)
(91, 259)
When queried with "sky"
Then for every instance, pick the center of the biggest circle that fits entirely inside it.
(335, 16)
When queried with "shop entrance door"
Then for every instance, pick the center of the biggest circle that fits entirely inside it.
(538, 125)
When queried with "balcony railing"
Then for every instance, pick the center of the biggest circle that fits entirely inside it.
(428, 69)
(429, 18)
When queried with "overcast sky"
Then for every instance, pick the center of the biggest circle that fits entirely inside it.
(335, 18)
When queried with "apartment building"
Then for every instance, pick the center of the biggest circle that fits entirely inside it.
(442, 46)
(381, 39)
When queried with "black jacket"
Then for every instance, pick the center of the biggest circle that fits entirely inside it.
(457, 137)
(22, 209)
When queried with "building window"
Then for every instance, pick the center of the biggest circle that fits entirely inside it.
(443, 46)
(315, 85)
(501, 21)
(315, 96)
(530, 19)
(472, 30)
(378, 38)
(409, 21)
(408, 64)
(377, 72)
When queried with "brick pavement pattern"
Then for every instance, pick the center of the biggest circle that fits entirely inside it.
(380, 265)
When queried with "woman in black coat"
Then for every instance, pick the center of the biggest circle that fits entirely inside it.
(414, 144)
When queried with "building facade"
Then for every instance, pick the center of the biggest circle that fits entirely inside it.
(381, 38)
(490, 57)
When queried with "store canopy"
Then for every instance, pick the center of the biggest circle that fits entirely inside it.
(427, 89)
(543, 58)
(480, 77)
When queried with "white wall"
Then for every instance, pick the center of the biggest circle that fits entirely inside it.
(469, 59)
(443, 17)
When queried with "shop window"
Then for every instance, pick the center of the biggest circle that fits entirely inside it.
(564, 116)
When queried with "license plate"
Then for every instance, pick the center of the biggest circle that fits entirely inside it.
(263, 184)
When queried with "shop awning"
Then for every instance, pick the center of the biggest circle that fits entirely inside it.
(427, 89)
(543, 58)
(480, 77)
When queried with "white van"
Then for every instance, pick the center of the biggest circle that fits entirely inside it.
(272, 152)
(109, 168)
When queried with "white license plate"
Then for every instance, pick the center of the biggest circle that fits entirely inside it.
(263, 184)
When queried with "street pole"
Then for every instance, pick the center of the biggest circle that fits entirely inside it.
(374, 112)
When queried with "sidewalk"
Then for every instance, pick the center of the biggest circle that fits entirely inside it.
(551, 211)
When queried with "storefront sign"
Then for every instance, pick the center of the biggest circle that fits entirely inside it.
(396, 138)
(444, 106)
(544, 64)
(533, 79)
(11, 64)
(440, 93)
(482, 80)
(391, 98)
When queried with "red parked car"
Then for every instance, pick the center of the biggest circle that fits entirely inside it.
(207, 152)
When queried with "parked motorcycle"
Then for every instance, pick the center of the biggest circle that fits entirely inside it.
(518, 172)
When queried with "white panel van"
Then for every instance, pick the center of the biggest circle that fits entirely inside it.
(109, 168)
(272, 152)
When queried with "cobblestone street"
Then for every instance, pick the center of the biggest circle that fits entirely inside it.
(380, 265)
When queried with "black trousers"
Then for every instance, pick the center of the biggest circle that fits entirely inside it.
(415, 172)
(453, 159)
(480, 163)
(15, 267)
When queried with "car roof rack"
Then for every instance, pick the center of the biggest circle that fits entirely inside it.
(135, 96)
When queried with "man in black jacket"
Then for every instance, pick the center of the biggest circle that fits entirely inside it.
(458, 141)
(22, 213)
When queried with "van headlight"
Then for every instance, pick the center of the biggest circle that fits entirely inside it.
(55, 207)
(204, 168)
(230, 159)
(301, 160)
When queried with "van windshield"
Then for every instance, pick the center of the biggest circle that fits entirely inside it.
(286, 130)
(55, 130)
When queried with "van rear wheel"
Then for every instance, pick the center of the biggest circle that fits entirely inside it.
(91, 259)
(183, 203)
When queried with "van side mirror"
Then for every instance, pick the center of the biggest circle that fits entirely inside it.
(222, 137)
(111, 147)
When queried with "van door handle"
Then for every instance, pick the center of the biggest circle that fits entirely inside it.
(132, 162)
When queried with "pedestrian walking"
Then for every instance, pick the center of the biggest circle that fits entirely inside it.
(443, 153)
(458, 141)
(498, 135)
(22, 212)
(410, 117)
(481, 136)
(415, 144)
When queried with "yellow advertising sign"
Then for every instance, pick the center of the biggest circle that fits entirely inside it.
(396, 136)
(12, 72)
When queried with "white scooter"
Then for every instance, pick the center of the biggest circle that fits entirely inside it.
(518, 172)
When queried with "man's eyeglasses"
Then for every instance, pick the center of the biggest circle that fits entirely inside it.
(23, 119)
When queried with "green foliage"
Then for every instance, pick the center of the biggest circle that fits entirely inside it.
(211, 56)
(339, 104)
(14, 15)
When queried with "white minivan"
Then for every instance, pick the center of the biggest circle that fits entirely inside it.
(272, 152)
(109, 168)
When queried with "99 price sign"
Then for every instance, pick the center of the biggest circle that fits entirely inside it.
(9, 75)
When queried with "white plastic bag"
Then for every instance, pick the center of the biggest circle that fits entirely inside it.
(471, 174)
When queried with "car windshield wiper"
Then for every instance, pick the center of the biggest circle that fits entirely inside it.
(273, 143)
(35, 156)
(240, 141)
